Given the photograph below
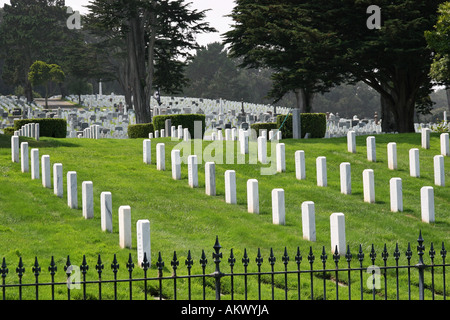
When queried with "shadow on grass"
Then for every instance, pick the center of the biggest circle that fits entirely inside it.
(5, 142)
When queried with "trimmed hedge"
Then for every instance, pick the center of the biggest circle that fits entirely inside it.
(264, 126)
(185, 120)
(8, 131)
(53, 128)
(141, 130)
(313, 123)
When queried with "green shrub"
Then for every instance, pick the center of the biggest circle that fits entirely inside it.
(141, 130)
(54, 128)
(185, 120)
(313, 123)
(8, 131)
(264, 126)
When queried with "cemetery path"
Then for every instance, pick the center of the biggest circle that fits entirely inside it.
(55, 103)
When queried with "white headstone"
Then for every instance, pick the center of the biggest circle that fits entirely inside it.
(72, 191)
(163, 133)
(321, 171)
(106, 211)
(143, 241)
(58, 188)
(35, 164)
(24, 157)
(176, 164)
(369, 186)
(414, 163)
(210, 178)
(37, 134)
(46, 174)
(147, 151)
(392, 155)
(300, 172)
(337, 232)
(439, 172)
(396, 194)
(252, 196)
(193, 171)
(186, 134)
(228, 134)
(160, 157)
(308, 221)
(180, 131)
(278, 207)
(173, 132)
(346, 178)
(445, 149)
(281, 157)
(230, 187)
(156, 134)
(243, 141)
(125, 227)
(371, 149)
(15, 151)
(87, 194)
(425, 135)
(427, 204)
(262, 149)
(351, 141)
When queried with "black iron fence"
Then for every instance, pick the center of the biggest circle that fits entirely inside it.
(298, 277)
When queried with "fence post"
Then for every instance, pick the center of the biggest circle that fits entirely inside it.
(421, 266)
(217, 274)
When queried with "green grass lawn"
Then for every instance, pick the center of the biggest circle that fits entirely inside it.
(36, 223)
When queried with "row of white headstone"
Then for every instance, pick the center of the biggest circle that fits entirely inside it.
(278, 197)
(30, 130)
(396, 202)
(30, 162)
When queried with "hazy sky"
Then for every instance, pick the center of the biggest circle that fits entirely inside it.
(215, 17)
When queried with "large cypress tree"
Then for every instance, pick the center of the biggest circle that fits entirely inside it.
(331, 43)
(153, 39)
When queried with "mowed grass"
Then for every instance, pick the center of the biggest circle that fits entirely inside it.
(36, 223)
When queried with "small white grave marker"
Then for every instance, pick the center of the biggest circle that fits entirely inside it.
(396, 194)
(160, 157)
(346, 178)
(58, 180)
(337, 226)
(278, 207)
(143, 241)
(252, 196)
(371, 149)
(210, 178)
(369, 186)
(125, 227)
(46, 175)
(106, 211)
(87, 195)
(230, 187)
(176, 164)
(308, 221)
(414, 163)
(300, 172)
(193, 171)
(72, 193)
(321, 171)
(427, 204)
(392, 155)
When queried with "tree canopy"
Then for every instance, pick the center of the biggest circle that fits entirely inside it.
(325, 43)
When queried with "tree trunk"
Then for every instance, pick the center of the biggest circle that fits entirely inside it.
(136, 59)
(29, 92)
(304, 100)
(447, 91)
